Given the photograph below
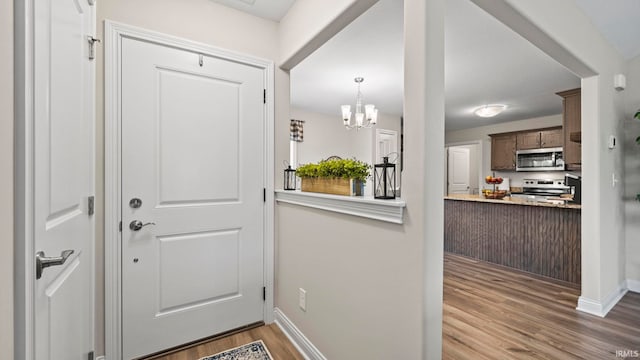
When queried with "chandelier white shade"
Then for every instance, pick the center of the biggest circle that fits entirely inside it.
(490, 110)
(365, 119)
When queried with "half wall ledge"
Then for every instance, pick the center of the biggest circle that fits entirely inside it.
(363, 206)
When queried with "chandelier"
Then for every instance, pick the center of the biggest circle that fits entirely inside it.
(370, 113)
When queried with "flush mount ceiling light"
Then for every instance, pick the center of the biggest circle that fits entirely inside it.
(489, 110)
(370, 112)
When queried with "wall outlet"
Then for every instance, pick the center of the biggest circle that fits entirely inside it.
(302, 299)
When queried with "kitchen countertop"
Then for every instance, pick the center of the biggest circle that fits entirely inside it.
(509, 200)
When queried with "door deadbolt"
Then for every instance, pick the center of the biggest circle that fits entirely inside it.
(136, 225)
(135, 203)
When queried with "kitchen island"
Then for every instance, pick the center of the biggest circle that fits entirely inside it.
(537, 237)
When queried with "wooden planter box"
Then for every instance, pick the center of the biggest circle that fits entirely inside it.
(336, 186)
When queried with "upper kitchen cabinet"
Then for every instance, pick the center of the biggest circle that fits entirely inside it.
(528, 140)
(540, 138)
(571, 120)
(551, 138)
(503, 151)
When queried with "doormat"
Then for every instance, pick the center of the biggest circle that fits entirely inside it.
(256, 350)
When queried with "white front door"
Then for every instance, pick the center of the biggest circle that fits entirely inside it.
(192, 174)
(458, 170)
(63, 178)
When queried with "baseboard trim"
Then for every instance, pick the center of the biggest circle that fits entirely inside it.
(633, 285)
(601, 309)
(306, 348)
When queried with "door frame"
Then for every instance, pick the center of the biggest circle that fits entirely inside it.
(114, 32)
(24, 239)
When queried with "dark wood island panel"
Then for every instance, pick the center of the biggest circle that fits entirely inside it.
(539, 239)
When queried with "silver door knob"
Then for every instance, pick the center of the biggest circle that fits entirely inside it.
(43, 262)
(136, 225)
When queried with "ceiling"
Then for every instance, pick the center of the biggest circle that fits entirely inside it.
(268, 9)
(618, 21)
(485, 62)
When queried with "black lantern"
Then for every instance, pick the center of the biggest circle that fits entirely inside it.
(289, 178)
(384, 180)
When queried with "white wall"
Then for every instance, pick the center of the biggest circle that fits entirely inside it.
(310, 23)
(6, 180)
(325, 135)
(632, 174)
(562, 30)
(367, 296)
(198, 20)
(481, 134)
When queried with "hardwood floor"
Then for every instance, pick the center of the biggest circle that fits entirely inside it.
(277, 343)
(491, 312)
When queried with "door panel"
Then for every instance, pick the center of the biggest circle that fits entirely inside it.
(217, 257)
(64, 177)
(188, 132)
(192, 143)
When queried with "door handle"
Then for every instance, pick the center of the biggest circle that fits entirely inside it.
(43, 262)
(136, 225)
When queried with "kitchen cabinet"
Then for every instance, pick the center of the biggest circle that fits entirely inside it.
(551, 138)
(536, 139)
(571, 120)
(528, 140)
(503, 151)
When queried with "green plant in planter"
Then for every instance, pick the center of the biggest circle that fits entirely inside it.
(335, 168)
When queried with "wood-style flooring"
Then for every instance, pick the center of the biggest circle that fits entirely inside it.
(279, 346)
(492, 312)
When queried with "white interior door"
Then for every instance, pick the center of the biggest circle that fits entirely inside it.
(192, 153)
(63, 178)
(386, 143)
(458, 170)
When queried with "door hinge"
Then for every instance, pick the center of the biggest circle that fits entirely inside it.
(264, 293)
(91, 205)
(120, 226)
(92, 47)
(264, 96)
(90, 356)
(264, 194)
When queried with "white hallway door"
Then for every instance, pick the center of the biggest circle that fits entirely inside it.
(63, 179)
(192, 193)
(458, 169)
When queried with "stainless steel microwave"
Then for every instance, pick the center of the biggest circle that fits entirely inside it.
(549, 159)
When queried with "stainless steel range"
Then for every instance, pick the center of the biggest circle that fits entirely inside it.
(545, 187)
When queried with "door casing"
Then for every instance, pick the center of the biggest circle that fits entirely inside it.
(114, 32)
